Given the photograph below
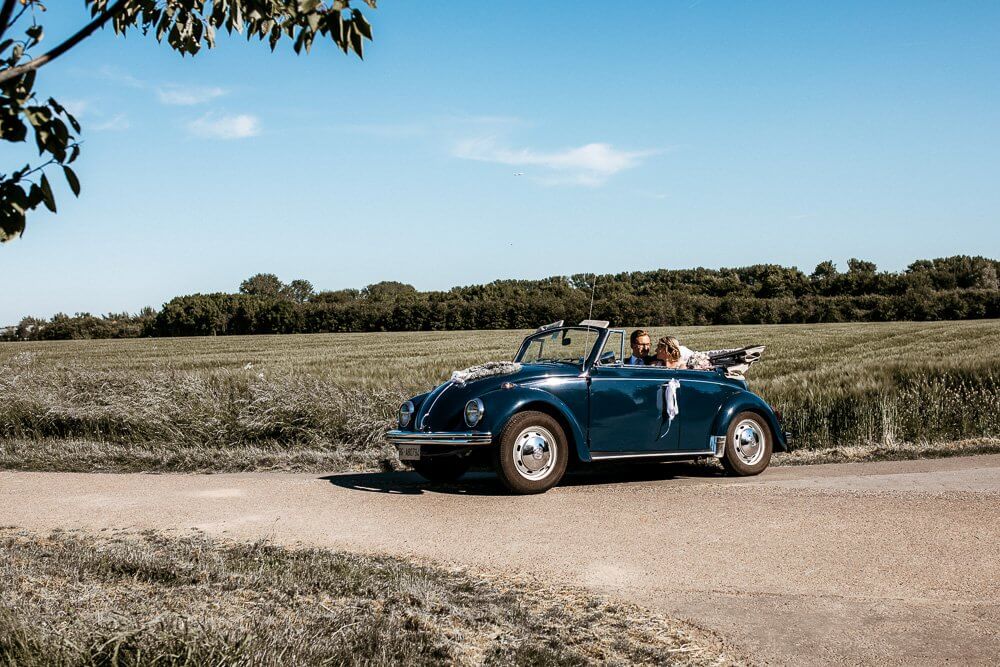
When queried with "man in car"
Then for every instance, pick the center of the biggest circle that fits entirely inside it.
(640, 342)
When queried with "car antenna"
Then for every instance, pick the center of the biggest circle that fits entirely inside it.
(590, 317)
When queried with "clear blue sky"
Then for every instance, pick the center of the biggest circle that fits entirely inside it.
(646, 135)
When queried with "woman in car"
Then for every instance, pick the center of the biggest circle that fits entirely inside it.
(668, 353)
(671, 354)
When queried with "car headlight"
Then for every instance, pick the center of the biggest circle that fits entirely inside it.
(474, 412)
(405, 414)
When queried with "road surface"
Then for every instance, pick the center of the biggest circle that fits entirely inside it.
(893, 562)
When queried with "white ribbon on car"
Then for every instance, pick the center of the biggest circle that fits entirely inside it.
(670, 399)
(669, 406)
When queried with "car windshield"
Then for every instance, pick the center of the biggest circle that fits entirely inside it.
(564, 346)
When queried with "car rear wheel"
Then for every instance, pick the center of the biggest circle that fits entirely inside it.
(748, 445)
(442, 468)
(532, 453)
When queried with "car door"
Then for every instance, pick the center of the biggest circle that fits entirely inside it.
(699, 400)
(627, 410)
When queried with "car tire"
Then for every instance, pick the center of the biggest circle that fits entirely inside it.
(531, 453)
(749, 443)
(442, 469)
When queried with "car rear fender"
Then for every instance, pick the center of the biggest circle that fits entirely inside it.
(502, 404)
(746, 401)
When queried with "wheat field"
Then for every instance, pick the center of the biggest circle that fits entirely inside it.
(322, 401)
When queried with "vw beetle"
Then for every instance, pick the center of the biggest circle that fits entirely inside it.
(568, 396)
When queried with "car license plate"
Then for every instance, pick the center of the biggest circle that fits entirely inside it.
(409, 452)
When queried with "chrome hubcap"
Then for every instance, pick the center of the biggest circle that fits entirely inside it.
(749, 442)
(534, 453)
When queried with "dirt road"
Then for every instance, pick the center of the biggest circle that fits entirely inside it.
(895, 562)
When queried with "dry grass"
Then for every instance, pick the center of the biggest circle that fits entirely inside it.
(891, 452)
(321, 402)
(149, 599)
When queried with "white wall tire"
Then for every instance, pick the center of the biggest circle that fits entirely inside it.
(532, 453)
(749, 443)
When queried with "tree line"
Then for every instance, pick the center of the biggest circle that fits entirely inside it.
(951, 288)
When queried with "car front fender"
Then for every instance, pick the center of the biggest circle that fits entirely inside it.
(747, 401)
(419, 399)
(502, 404)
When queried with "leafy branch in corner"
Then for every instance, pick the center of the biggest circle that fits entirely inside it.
(186, 26)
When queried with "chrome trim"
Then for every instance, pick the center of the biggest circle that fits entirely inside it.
(396, 437)
(719, 443)
(465, 412)
(408, 411)
(749, 442)
(654, 378)
(427, 413)
(604, 456)
(534, 453)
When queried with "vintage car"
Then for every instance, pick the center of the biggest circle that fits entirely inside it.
(568, 398)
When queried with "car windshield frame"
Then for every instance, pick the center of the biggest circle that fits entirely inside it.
(600, 335)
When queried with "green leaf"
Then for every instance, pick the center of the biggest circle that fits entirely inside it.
(74, 182)
(357, 41)
(362, 25)
(47, 198)
(35, 196)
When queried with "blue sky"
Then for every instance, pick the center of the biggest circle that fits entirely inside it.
(493, 140)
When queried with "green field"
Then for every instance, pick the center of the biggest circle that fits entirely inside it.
(322, 401)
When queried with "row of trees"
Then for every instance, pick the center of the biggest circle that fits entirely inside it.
(950, 288)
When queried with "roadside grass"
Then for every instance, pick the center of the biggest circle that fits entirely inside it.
(127, 599)
(322, 402)
(891, 452)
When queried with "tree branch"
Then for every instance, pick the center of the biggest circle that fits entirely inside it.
(81, 35)
(5, 12)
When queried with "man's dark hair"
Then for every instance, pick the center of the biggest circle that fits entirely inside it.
(636, 334)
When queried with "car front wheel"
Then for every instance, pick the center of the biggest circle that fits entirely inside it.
(748, 445)
(532, 453)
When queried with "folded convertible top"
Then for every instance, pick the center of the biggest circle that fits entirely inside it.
(736, 362)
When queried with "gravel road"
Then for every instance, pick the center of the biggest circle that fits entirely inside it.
(885, 563)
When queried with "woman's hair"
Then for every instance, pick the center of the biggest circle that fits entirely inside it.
(672, 345)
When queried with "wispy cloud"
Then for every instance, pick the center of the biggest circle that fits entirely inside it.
(591, 164)
(188, 95)
(215, 126)
(387, 130)
(174, 94)
(116, 75)
(78, 107)
(116, 123)
(94, 118)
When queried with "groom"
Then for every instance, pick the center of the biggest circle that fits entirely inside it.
(640, 342)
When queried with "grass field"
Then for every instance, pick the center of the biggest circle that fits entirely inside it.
(150, 599)
(323, 401)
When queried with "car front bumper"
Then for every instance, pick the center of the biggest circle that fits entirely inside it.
(458, 439)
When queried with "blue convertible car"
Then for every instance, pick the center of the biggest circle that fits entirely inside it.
(568, 396)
